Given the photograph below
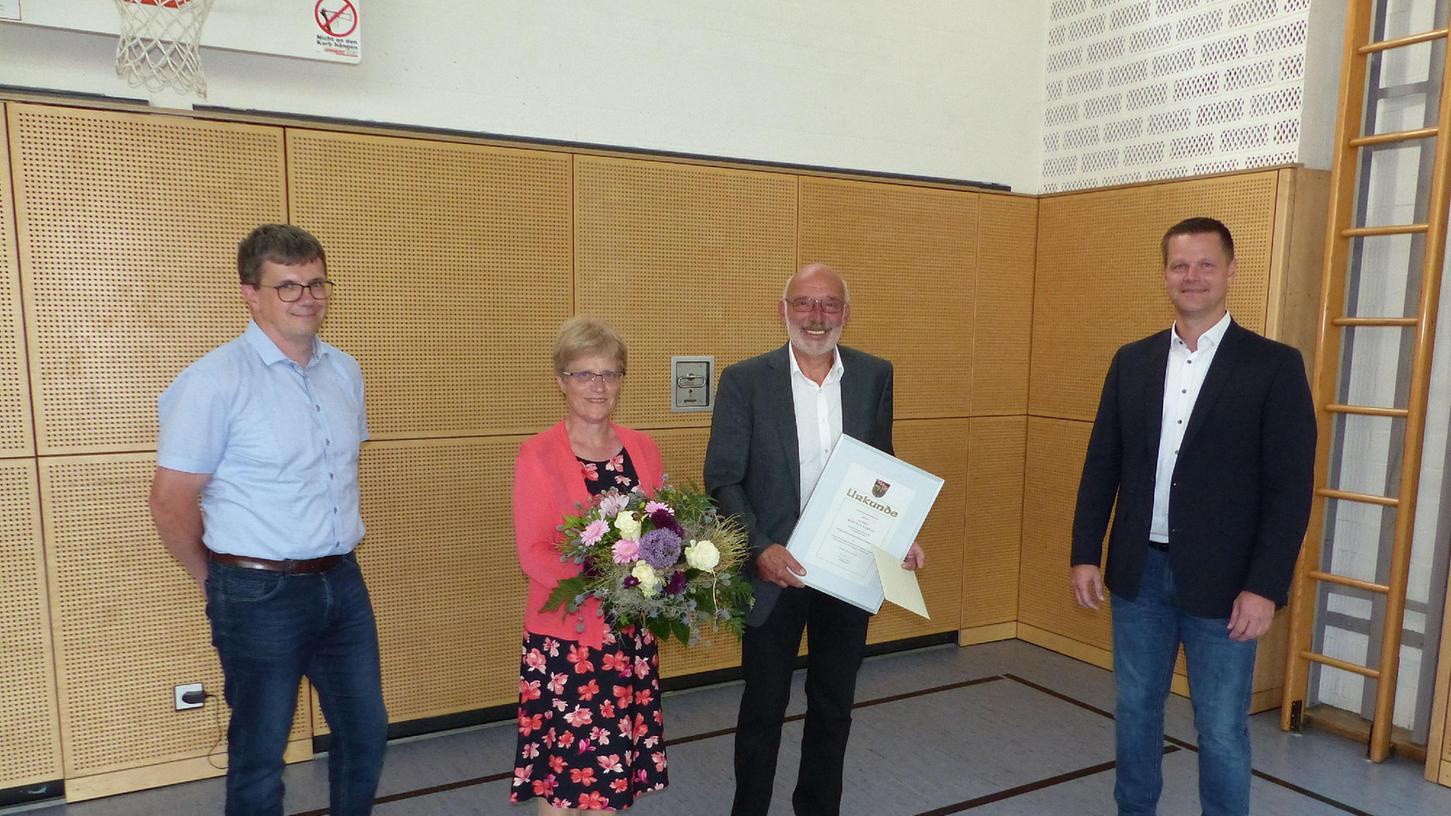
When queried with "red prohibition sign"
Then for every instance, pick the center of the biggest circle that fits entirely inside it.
(339, 22)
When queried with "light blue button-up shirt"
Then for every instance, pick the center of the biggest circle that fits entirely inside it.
(280, 441)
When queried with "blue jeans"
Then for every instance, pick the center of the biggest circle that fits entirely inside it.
(1147, 632)
(270, 629)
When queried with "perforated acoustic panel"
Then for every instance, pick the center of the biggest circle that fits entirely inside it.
(440, 565)
(128, 622)
(128, 230)
(1004, 304)
(1054, 463)
(15, 428)
(681, 260)
(1099, 282)
(938, 446)
(1150, 89)
(682, 451)
(453, 271)
(29, 729)
(910, 257)
(995, 451)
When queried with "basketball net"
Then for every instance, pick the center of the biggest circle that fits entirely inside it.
(158, 46)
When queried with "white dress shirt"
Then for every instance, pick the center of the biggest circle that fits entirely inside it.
(818, 419)
(1183, 376)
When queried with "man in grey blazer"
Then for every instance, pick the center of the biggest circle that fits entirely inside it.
(777, 418)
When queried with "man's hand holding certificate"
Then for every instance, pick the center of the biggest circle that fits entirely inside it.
(859, 525)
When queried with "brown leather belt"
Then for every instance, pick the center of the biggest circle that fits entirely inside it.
(305, 566)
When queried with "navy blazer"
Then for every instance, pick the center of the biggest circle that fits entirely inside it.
(1240, 497)
(752, 461)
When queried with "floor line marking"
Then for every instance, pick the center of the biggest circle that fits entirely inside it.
(1189, 746)
(484, 780)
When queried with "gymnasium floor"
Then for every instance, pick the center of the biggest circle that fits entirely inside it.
(996, 729)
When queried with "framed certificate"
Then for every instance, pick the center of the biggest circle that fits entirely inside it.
(865, 500)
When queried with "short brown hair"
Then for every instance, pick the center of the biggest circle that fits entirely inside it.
(280, 244)
(583, 336)
(1198, 225)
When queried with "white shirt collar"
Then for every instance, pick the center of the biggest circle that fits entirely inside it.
(833, 375)
(1213, 336)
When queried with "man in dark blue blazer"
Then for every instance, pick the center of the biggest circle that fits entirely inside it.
(777, 417)
(1205, 434)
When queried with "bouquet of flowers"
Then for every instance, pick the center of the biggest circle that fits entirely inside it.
(668, 562)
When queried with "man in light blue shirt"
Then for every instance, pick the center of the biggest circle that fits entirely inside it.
(256, 494)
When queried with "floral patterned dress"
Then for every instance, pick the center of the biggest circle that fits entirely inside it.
(590, 730)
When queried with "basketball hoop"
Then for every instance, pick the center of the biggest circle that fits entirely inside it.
(158, 46)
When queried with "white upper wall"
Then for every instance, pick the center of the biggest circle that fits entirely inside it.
(946, 88)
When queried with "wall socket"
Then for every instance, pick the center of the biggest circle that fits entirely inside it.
(194, 689)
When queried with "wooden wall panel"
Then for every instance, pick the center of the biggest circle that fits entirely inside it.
(453, 269)
(441, 568)
(1004, 305)
(681, 259)
(128, 226)
(29, 730)
(16, 431)
(910, 257)
(1099, 280)
(683, 453)
(994, 520)
(940, 447)
(1054, 463)
(128, 622)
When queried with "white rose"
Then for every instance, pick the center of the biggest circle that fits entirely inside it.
(649, 579)
(702, 555)
(628, 525)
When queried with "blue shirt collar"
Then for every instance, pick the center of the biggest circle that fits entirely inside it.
(270, 353)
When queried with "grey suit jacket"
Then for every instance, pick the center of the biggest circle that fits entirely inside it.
(752, 462)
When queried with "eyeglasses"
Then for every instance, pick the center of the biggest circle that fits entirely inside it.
(587, 377)
(806, 304)
(291, 292)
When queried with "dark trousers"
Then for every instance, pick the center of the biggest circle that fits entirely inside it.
(836, 638)
(270, 629)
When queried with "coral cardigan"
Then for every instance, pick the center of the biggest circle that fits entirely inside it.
(548, 483)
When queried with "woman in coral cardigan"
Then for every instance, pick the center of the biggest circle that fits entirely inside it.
(590, 732)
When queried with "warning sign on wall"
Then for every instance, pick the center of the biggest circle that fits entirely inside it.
(339, 29)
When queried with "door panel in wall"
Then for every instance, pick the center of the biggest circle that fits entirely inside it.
(128, 622)
(682, 451)
(938, 446)
(994, 520)
(128, 226)
(29, 728)
(681, 259)
(1054, 462)
(452, 264)
(1099, 281)
(910, 257)
(16, 432)
(1003, 300)
(441, 568)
